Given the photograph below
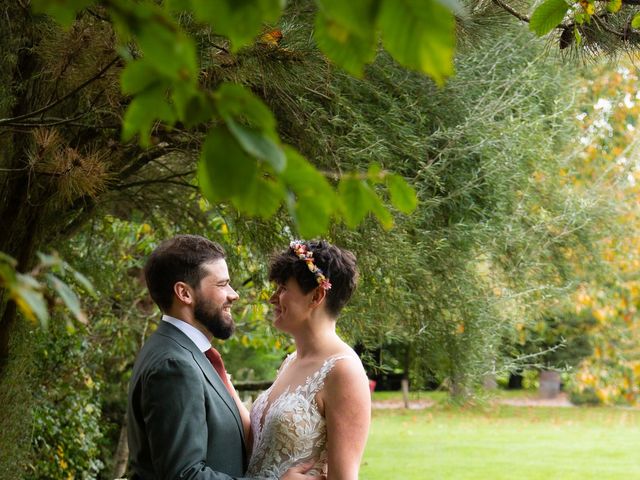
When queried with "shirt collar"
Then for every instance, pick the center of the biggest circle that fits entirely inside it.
(195, 335)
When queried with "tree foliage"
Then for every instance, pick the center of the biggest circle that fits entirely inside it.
(608, 167)
(283, 142)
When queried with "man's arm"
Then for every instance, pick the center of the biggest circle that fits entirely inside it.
(173, 404)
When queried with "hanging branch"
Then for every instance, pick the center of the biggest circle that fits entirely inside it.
(512, 11)
(598, 19)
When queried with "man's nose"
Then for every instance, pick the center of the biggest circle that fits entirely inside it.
(232, 294)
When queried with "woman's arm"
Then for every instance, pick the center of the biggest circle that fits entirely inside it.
(347, 409)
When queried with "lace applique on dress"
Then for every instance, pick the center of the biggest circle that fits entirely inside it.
(292, 430)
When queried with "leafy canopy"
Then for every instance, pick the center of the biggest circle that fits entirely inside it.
(243, 161)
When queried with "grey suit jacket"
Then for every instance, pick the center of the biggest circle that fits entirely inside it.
(182, 422)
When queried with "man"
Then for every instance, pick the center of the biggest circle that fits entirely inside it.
(185, 420)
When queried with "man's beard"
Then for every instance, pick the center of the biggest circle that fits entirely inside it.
(214, 319)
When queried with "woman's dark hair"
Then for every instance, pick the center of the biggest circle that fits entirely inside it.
(179, 259)
(338, 265)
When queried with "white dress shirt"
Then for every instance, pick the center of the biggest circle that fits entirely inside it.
(195, 335)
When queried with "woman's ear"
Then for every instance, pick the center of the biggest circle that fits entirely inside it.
(319, 294)
(183, 293)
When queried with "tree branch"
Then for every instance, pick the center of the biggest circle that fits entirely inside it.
(597, 18)
(512, 11)
(598, 21)
(9, 121)
(167, 179)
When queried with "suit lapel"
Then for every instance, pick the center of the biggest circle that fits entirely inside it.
(207, 369)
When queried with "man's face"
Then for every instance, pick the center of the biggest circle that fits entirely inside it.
(213, 298)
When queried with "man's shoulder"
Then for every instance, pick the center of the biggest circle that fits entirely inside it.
(166, 344)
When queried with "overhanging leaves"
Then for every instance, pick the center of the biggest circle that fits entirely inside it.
(313, 201)
(225, 170)
(548, 16)
(239, 20)
(403, 197)
(420, 35)
(345, 32)
(143, 111)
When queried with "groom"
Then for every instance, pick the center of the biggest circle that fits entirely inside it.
(185, 420)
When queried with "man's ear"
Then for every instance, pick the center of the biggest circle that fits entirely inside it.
(183, 292)
(319, 294)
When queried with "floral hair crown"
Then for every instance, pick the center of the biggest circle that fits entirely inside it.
(304, 253)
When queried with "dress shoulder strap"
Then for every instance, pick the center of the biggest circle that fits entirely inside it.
(285, 363)
(316, 381)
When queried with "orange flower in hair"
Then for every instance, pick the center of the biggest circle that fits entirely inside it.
(304, 253)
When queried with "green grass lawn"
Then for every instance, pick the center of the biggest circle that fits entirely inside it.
(502, 442)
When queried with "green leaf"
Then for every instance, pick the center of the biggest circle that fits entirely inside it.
(137, 76)
(29, 299)
(635, 23)
(68, 296)
(380, 211)
(375, 174)
(239, 20)
(224, 169)
(403, 197)
(346, 32)
(170, 51)
(548, 16)
(193, 106)
(358, 199)
(258, 145)
(143, 111)
(263, 197)
(312, 216)
(50, 260)
(614, 6)
(313, 202)
(239, 103)
(63, 11)
(177, 5)
(354, 200)
(577, 36)
(420, 34)
(85, 282)
(8, 259)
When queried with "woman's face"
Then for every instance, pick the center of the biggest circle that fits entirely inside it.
(291, 305)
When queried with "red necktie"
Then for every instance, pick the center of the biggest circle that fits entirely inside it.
(216, 360)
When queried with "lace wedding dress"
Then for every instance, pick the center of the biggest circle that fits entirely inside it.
(290, 430)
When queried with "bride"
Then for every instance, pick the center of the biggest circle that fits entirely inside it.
(318, 409)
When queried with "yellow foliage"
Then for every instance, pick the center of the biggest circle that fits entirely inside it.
(88, 381)
(600, 314)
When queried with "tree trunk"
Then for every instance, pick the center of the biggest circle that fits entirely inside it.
(17, 385)
(549, 384)
(121, 457)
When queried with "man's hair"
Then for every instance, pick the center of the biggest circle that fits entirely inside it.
(338, 266)
(179, 259)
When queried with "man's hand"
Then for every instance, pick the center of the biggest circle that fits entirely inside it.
(299, 472)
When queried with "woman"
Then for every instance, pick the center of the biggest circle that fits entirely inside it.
(318, 408)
